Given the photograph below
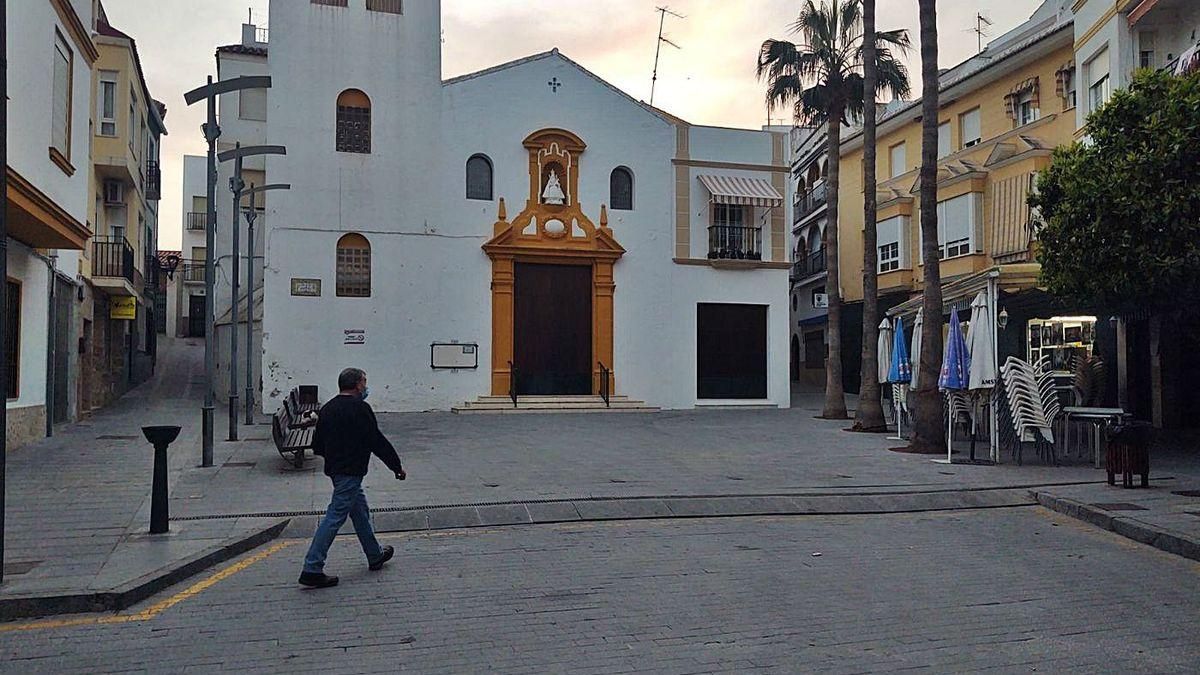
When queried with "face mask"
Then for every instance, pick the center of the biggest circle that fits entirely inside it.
(365, 392)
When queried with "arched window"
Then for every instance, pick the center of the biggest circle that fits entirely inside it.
(353, 122)
(479, 177)
(620, 189)
(814, 240)
(353, 266)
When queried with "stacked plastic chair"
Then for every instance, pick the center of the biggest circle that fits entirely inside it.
(1026, 410)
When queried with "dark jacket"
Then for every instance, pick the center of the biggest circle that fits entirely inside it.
(347, 435)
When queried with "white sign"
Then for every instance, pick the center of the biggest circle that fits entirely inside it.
(355, 336)
(453, 356)
(821, 300)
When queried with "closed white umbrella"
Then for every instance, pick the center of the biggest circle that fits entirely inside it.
(979, 342)
(885, 350)
(915, 352)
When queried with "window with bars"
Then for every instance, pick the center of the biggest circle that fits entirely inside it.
(620, 189)
(479, 177)
(12, 336)
(353, 267)
(389, 6)
(354, 122)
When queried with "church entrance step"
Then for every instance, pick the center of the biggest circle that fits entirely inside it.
(551, 404)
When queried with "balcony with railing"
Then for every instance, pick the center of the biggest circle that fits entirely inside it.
(734, 242)
(197, 221)
(809, 202)
(153, 183)
(810, 265)
(113, 267)
(193, 271)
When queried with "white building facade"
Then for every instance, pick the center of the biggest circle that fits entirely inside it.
(527, 229)
(809, 310)
(48, 156)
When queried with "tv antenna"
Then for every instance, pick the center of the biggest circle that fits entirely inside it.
(982, 23)
(662, 18)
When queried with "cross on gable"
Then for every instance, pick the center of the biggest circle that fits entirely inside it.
(554, 84)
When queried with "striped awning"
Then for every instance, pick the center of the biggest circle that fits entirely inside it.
(745, 191)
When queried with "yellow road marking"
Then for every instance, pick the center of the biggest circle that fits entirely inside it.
(157, 608)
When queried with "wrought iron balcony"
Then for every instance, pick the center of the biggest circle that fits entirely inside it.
(809, 202)
(193, 272)
(734, 242)
(112, 257)
(810, 265)
(153, 184)
(197, 221)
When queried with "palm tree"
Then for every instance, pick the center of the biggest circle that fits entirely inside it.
(870, 409)
(822, 79)
(928, 435)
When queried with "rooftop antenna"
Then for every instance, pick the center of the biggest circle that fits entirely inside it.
(662, 18)
(982, 23)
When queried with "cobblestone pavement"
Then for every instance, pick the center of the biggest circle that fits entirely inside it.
(1018, 590)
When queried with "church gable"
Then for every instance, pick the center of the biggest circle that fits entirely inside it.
(545, 72)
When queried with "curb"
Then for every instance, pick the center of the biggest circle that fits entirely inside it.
(648, 508)
(133, 592)
(1130, 528)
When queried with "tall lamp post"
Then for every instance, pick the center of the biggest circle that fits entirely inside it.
(237, 186)
(212, 132)
(251, 216)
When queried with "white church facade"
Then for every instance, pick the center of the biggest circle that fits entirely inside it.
(526, 229)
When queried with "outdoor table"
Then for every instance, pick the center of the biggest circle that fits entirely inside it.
(1097, 416)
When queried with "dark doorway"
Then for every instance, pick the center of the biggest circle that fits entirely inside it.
(731, 345)
(814, 351)
(552, 329)
(196, 309)
(795, 358)
(64, 311)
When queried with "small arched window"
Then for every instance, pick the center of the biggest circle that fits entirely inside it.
(620, 189)
(479, 177)
(353, 266)
(353, 122)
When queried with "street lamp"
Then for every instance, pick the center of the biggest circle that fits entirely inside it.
(238, 186)
(251, 216)
(212, 132)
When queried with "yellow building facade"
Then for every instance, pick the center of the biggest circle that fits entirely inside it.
(998, 125)
(120, 261)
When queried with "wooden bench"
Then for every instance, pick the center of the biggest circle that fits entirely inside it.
(291, 439)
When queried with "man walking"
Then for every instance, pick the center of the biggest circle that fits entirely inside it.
(347, 435)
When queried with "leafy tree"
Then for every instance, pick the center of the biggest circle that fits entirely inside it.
(1121, 214)
(822, 79)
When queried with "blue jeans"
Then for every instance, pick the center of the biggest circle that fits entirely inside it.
(348, 499)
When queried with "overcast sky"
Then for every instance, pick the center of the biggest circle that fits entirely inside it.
(709, 81)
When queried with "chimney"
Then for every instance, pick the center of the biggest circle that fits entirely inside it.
(250, 36)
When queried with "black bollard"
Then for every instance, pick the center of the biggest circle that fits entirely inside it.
(160, 437)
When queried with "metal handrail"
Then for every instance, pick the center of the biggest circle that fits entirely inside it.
(512, 383)
(605, 377)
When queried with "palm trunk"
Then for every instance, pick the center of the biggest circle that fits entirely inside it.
(835, 395)
(928, 431)
(870, 409)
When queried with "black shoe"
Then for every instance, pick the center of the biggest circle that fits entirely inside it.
(317, 580)
(377, 564)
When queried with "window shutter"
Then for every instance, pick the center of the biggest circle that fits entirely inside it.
(61, 124)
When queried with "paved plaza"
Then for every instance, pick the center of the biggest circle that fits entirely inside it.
(947, 567)
(1014, 591)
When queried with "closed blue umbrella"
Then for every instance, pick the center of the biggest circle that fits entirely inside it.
(900, 371)
(956, 367)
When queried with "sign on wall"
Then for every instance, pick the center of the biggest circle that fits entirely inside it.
(124, 308)
(309, 288)
(354, 336)
(453, 356)
(820, 300)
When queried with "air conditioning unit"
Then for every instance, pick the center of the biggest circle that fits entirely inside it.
(114, 192)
